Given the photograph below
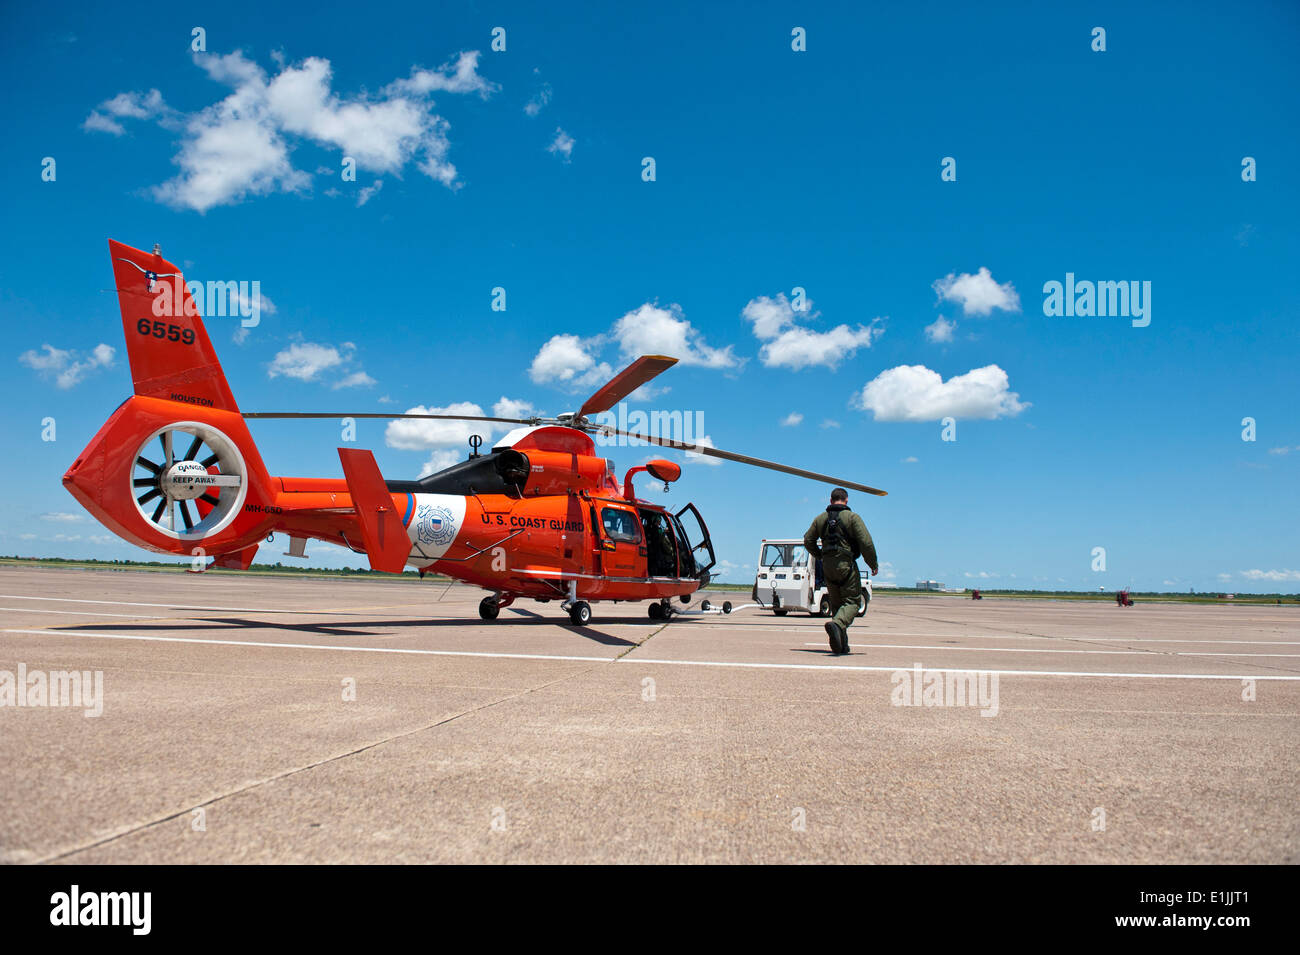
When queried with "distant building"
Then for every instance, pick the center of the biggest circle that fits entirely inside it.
(929, 585)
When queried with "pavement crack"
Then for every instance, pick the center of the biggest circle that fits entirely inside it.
(130, 830)
(648, 637)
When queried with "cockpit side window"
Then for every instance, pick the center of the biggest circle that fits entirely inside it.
(620, 525)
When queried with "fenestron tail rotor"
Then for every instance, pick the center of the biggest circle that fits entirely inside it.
(188, 480)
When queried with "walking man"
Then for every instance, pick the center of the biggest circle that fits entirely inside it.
(844, 538)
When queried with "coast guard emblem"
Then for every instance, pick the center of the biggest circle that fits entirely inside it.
(434, 525)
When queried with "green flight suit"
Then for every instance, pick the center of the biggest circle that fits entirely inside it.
(839, 562)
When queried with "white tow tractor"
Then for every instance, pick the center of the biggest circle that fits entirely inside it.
(788, 579)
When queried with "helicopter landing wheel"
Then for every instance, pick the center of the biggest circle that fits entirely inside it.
(488, 608)
(656, 611)
(580, 613)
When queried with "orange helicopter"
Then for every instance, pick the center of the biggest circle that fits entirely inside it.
(541, 515)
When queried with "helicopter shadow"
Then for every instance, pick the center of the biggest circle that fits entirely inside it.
(219, 624)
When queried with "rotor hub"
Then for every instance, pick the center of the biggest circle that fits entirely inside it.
(186, 480)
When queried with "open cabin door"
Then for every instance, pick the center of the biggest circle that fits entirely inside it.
(696, 535)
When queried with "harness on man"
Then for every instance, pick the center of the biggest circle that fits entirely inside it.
(834, 538)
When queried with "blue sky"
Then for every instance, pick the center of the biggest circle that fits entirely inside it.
(774, 170)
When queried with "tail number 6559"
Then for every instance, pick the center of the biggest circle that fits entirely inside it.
(171, 333)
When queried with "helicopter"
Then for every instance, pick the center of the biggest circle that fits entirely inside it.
(540, 515)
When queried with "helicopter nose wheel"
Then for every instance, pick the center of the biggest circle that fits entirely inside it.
(580, 613)
(660, 610)
(488, 608)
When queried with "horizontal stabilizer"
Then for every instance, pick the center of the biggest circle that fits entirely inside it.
(237, 560)
(382, 531)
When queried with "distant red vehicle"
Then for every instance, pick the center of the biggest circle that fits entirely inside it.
(1123, 599)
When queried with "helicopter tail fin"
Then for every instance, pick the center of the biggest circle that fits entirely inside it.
(170, 353)
(382, 530)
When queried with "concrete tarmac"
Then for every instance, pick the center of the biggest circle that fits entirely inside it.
(277, 720)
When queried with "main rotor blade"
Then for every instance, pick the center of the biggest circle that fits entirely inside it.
(745, 459)
(367, 414)
(625, 382)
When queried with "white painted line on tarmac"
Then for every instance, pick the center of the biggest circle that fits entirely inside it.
(1108, 653)
(935, 669)
(310, 646)
(171, 606)
(631, 659)
(183, 607)
(85, 613)
(1002, 636)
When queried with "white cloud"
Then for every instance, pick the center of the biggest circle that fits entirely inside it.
(1272, 575)
(909, 460)
(562, 145)
(368, 193)
(651, 330)
(978, 294)
(789, 344)
(567, 361)
(358, 379)
(63, 517)
(312, 361)
(513, 408)
(239, 146)
(148, 106)
(416, 434)
(791, 420)
(1284, 449)
(829, 423)
(305, 361)
(439, 461)
(573, 363)
(459, 77)
(940, 330)
(915, 393)
(694, 457)
(539, 100)
(99, 123)
(64, 365)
